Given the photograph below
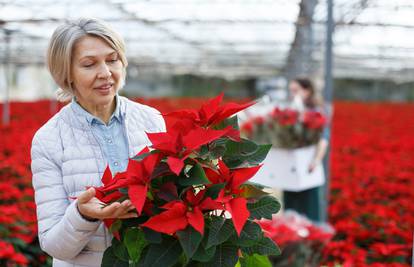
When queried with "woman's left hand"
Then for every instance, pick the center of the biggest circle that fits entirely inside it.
(313, 165)
(91, 208)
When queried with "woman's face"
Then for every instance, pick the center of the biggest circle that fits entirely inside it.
(97, 72)
(297, 90)
(294, 88)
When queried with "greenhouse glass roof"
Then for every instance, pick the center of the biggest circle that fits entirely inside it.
(229, 38)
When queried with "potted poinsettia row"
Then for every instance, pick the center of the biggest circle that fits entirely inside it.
(191, 192)
(302, 241)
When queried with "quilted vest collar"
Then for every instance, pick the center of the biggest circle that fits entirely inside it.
(76, 118)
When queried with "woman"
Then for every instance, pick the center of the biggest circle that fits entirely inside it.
(86, 58)
(311, 202)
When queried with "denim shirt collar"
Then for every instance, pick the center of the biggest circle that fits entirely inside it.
(91, 119)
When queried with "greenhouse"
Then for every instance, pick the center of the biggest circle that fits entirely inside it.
(206, 133)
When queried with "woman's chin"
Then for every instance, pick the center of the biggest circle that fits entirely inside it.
(104, 99)
(105, 93)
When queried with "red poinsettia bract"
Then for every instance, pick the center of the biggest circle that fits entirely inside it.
(314, 120)
(235, 204)
(179, 214)
(181, 141)
(136, 179)
(285, 117)
(210, 113)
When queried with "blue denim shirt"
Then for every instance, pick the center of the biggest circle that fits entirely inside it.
(111, 137)
(328, 112)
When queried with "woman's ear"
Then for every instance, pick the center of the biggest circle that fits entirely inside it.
(72, 87)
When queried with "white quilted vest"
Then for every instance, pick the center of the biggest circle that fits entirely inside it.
(66, 158)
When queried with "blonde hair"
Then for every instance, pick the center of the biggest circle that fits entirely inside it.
(61, 46)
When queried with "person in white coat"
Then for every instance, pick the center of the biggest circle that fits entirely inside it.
(98, 128)
(311, 202)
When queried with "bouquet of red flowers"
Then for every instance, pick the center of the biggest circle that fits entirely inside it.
(191, 192)
(286, 128)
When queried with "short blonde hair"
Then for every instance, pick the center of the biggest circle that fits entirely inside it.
(61, 46)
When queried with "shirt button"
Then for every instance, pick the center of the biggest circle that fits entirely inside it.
(116, 163)
(109, 141)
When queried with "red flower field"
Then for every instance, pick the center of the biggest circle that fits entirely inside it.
(372, 184)
(372, 180)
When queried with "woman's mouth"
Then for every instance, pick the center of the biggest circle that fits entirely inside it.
(104, 89)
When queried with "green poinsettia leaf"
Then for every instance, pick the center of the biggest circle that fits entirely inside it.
(225, 256)
(141, 156)
(257, 185)
(204, 254)
(165, 254)
(161, 169)
(249, 236)
(160, 181)
(243, 148)
(217, 152)
(220, 231)
(110, 260)
(152, 236)
(196, 176)
(134, 241)
(259, 156)
(265, 246)
(265, 207)
(213, 190)
(234, 162)
(203, 151)
(244, 154)
(213, 150)
(115, 226)
(119, 250)
(219, 142)
(232, 121)
(255, 260)
(187, 167)
(190, 240)
(251, 191)
(133, 222)
(123, 190)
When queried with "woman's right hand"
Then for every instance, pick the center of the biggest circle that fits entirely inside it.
(92, 208)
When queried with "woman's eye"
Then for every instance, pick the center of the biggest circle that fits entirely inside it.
(88, 65)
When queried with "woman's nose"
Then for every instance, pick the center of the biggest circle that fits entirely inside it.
(104, 71)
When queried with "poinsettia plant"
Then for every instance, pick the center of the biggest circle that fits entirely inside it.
(191, 192)
(286, 128)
